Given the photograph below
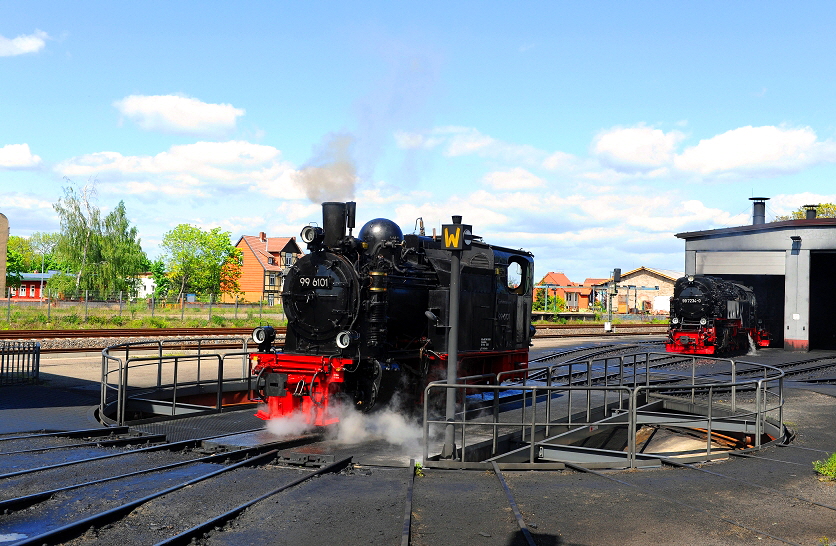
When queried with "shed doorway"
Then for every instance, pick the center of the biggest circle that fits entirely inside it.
(822, 300)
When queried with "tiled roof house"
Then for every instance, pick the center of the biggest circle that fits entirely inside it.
(264, 261)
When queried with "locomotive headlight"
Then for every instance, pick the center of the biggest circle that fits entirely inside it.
(703, 321)
(674, 320)
(311, 234)
(690, 278)
(346, 338)
(264, 336)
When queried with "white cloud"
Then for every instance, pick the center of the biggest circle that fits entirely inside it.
(196, 170)
(516, 178)
(461, 141)
(177, 114)
(784, 204)
(636, 149)
(18, 156)
(25, 43)
(766, 148)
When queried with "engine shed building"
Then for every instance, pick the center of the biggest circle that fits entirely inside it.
(789, 264)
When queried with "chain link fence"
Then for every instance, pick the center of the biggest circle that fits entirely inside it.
(119, 309)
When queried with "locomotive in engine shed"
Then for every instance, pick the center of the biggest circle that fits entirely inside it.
(367, 317)
(710, 315)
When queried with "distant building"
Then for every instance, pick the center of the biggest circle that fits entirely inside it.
(578, 297)
(146, 285)
(30, 286)
(264, 263)
(631, 298)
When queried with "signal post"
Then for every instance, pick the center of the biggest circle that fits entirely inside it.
(455, 238)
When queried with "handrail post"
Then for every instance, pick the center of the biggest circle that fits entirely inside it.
(734, 386)
(174, 388)
(569, 396)
(533, 424)
(708, 428)
(548, 400)
(589, 391)
(781, 404)
(758, 414)
(606, 381)
(219, 400)
(159, 364)
(464, 420)
(693, 377)
(495, 419)
(426, 439)
(632, 426)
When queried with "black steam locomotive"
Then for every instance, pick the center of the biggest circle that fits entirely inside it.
(710, 315)
(368, 317)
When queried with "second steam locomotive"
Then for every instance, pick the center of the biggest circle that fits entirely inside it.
(710, 315)
(368, 318)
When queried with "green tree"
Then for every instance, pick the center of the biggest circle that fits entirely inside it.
(80, 220)
(15, 265)
(162, 283)
(120, 253)
(198, 260)
(553, 302)
(44, 245)
(105, 255)
(824, 210)
(24, 252)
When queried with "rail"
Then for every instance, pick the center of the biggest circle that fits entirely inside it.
(615, 391)
(154, 381)
(19, 362)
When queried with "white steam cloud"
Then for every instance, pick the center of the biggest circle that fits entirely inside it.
(354, 427)
(331, 175)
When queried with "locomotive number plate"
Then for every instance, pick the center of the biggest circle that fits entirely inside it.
(316, 281)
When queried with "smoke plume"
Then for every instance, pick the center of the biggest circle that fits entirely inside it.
(330, 175)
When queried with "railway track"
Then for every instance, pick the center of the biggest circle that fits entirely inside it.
(66, 492)
(192, 332)
(58, 341)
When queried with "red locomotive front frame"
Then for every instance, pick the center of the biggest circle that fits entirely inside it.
(703, 340)
(311, 386)
(300, 384)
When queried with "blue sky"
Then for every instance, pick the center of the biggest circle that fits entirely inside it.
(588, 133)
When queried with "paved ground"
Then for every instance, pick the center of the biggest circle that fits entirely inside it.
(773, 499)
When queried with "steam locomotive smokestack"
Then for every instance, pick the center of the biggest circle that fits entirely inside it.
(333, 222)
(810, 212)
(758, 210)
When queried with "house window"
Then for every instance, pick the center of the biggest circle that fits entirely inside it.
(271, 260)
(271, 300)
(288, 258)
(31, 290)
(14, 291)
(271, 281)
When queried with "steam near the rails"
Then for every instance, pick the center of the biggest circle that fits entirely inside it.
(355, 427)
(331, 174)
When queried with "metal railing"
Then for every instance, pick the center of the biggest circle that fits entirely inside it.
(153, 374)
(610, 392)
(19, 362)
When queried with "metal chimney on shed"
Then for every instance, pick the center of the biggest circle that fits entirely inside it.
(758, 210)
(810, 212)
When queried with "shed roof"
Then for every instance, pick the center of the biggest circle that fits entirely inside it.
(768, 226)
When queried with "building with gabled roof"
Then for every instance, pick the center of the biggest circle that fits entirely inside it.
(631, 298)
(264, 261)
